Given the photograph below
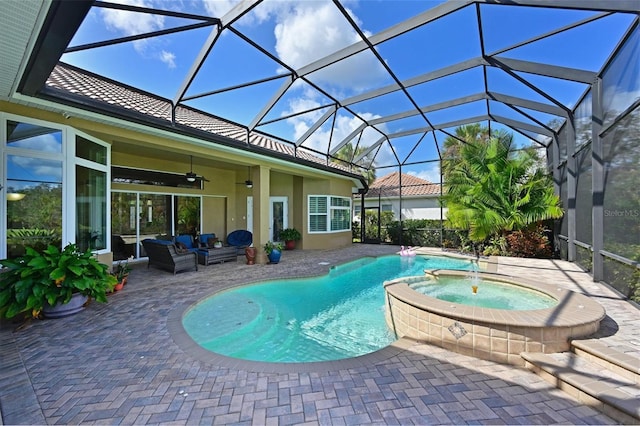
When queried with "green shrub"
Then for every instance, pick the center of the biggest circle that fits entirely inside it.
(529, 243)
(51, 276)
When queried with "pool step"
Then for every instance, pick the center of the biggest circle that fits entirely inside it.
(592, 379)
(264, 323)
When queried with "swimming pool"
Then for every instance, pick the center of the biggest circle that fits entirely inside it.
(336, 316)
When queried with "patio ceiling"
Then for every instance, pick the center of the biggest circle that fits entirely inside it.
(399, 80)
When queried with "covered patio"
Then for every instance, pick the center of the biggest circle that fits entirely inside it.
(121, 363)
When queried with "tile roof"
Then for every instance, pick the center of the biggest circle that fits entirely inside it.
(78, 82)
(412, 186)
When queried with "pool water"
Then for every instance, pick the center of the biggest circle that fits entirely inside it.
(336, 316)
(490, 294)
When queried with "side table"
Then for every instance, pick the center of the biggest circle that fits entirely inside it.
(217, 255)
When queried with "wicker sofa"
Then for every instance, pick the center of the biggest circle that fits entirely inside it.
(164, 255)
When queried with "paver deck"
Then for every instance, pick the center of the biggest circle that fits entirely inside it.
(118, 363)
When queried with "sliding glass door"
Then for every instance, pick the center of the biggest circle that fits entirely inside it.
(137, 215)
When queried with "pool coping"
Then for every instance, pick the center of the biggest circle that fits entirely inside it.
(571, 310)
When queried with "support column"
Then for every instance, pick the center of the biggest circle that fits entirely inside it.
(571, 189)
(261, 191)
(597, 181)
(554, 149)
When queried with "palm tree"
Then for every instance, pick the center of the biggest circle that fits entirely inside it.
(491, 189)
(346, 155)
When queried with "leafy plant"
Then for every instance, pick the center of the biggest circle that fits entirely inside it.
(269, 246)
(493, 189)
(51, 276)
(121, 270)
(290, 234)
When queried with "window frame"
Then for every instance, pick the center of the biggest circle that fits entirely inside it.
(328, 214)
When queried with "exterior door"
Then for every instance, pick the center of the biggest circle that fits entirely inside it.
(250, 213)
(278, 216)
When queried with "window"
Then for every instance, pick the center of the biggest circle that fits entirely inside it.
(32, 159)
(329, 214)
(387, 208)
(91, 194)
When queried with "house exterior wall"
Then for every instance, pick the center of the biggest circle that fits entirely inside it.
(412, 208)
(224, 201)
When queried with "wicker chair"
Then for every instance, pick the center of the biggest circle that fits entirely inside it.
(164, 255)
(240, 239)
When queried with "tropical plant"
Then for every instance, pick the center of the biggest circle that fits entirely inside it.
(290, 234)
(347, 155)
(50, 277)
(269, 246)
(491, 189)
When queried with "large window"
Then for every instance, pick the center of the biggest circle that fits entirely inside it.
(55, 188)
(34, 169)
(329, 214)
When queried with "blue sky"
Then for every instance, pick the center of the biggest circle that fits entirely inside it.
(301, 32)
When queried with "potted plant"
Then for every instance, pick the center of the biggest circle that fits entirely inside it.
(290, 236)
(121, 272)
(55, 282)
(273, 250)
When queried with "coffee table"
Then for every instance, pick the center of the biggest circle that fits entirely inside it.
(217, 255)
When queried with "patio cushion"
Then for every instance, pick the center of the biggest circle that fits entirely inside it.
(186, 241)
(207, 240)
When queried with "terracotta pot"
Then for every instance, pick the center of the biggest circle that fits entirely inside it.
(289, 244)
(250, 253)
(119, 286)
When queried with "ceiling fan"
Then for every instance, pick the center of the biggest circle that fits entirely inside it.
(248, 183)
(192, 177)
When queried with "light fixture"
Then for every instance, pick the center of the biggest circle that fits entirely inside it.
(15, 196)
(191, 177)
(248, 182)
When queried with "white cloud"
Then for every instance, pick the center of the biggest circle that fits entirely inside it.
(217, 8)
(308, 31)
(305, 32)
(42, 143)
(129, 23)
(35, 168)
(430, 172)
(168, 58)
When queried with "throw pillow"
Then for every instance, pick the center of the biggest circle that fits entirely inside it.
(211, 242)
(181, 247)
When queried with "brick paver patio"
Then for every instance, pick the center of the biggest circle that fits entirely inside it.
(118, 363)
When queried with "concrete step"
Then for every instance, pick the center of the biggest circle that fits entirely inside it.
(620, 359)
(590, 383)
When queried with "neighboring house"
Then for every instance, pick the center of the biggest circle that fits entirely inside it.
(91, 161)
(420, 198)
